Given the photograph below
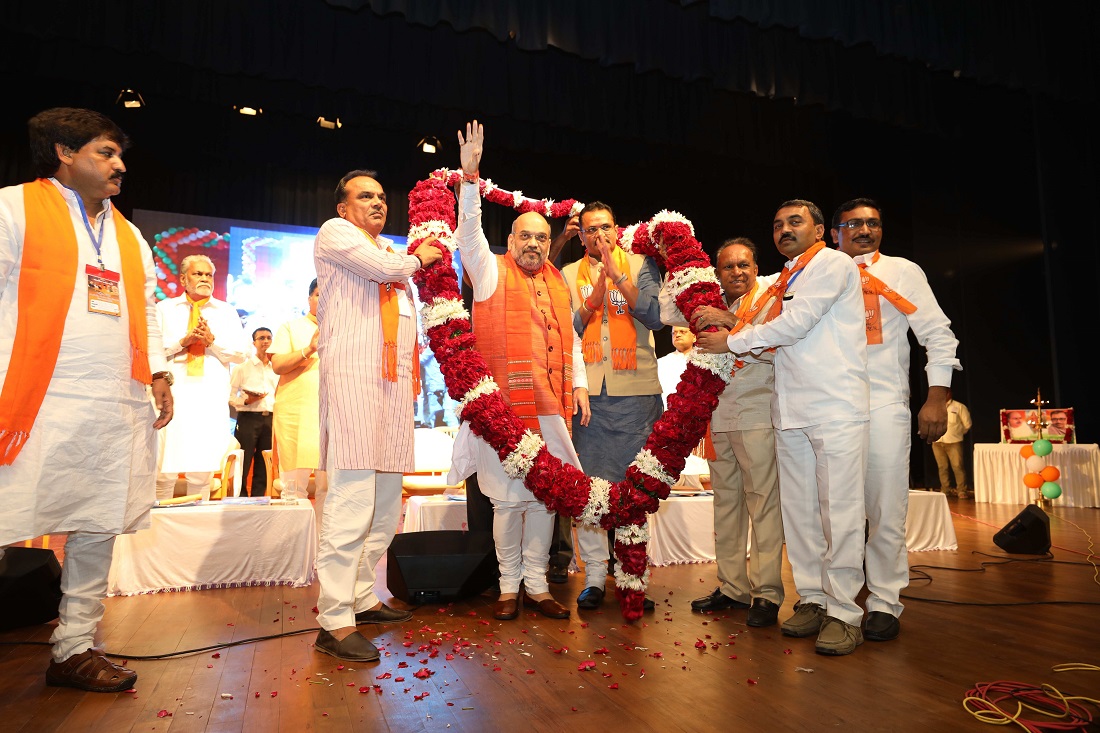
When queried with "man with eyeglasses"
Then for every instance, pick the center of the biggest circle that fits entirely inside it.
(897, 298)
(820, 412)
(523, 323)
(615, 312)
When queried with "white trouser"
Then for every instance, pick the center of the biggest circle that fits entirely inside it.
(197, 483)
(359, 521)
(83, 588)
(592, 545)
(821, 470)
(522, 531)
(886, 499)
(745, 480)
(298, 479)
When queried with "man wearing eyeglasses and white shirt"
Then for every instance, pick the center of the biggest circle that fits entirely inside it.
(615, 313)
(897, 298)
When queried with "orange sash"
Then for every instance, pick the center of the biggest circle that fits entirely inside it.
(624, 336)
(390, 309)
(872, 288)
(196, 352)
(48, 271)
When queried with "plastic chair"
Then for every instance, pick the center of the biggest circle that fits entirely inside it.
(227, 482)
(432, 449)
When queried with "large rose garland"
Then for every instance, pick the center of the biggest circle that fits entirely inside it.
(623, 506)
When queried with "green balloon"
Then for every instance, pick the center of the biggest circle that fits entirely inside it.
(1050, 490)
(1042, 447)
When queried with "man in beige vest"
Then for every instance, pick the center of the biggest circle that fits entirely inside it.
(744, 474)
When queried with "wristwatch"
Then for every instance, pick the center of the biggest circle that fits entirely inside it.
(166, 376)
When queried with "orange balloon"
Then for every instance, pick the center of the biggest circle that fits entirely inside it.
(1050, 473)
(1027, 451)
(1033, 480)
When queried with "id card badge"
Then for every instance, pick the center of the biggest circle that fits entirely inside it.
(103, 295)
(404, 305)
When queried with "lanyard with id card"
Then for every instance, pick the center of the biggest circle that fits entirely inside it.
(103, 291)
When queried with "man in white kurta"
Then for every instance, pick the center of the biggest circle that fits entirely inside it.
(87, 465)
(897, 298)
(199, 358)
(297, 410)
(820, 411)
(365, 410)
(522, 525)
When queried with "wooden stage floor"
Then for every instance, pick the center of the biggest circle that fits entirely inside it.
(674, 671)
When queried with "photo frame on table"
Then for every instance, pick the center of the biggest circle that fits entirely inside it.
(1022, 426)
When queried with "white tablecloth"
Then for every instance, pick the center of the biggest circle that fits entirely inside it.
(217, 546)
(928, 524)
(429, 513)
(682, 531)
(999, 474)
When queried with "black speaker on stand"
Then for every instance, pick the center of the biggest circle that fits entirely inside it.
(30, 587)
(1027, 534)
(429, 567)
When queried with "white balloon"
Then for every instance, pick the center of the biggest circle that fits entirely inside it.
(1035, 464)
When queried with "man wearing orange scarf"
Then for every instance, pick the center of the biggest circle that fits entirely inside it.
(523, 323)
(897, 298)
(77, 428)
(820, 413)
(615, 311)
(366, 352)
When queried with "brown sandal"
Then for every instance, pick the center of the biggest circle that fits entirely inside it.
(92, 671)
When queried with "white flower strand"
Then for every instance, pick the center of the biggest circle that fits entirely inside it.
(483, 387)
(648, 464)
(519, 462)
(681, 280)
(633, 534)
(628, 581)
(664, 216)
(441, 310)
(718, 364)
(626, 239)
(599, 503)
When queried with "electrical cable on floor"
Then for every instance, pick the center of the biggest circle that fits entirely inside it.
(1092, 546)
(182, 652)
(993, 703)
(917, 572)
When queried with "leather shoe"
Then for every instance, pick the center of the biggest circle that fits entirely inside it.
(558, 575)
(92, 671)
(590, 598)
(354, 647)
(763, 613)
(881, 626)
(383, 615)
(506, 610)
(548, 607)
(716, 601)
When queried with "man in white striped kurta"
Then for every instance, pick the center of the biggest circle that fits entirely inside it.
(366, 419)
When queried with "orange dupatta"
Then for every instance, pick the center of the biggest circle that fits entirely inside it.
(624, 336)
(48, 263)
(872, 288)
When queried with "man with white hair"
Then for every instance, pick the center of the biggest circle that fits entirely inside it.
(202, 337)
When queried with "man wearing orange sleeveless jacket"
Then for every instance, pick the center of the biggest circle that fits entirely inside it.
(79, 343)
(523, 322)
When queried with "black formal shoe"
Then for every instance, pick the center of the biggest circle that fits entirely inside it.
(558, 575)
(591, 597)
(354, 648)
(383, 615)
(648, 604)
(881, 626)
(716, 601)
(763, 613)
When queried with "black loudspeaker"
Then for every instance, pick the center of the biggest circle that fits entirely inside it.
(30, 587)
(428, 567)
(1027, 534)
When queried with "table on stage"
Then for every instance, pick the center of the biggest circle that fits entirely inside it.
(211, 545)
(682, 530)
(999, 474)
(928, 523)
(434, 512)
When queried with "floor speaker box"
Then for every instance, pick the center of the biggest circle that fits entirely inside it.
(428, 567)
(30, 587)
(1027, 534)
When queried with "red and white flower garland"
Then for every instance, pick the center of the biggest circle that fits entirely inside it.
(623, 506)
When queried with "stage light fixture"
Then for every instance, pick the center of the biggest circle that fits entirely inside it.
(330, 124)
(250, 111)
(130, 99)
(429, 144)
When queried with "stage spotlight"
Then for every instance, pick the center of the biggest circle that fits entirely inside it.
(250, 111)
(130, 99)
(429, 144)
(329, 124)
